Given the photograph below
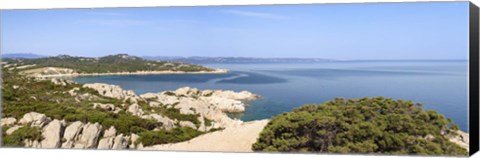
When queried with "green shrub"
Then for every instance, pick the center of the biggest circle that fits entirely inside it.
(367, 125)
(162, 136)
(17, 138)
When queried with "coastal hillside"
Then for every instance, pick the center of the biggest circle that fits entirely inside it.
(364, 126)
(57, 113)
(120, 63)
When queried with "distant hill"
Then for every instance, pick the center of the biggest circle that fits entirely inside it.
(236, 60)
(21, 56)
(106, 64)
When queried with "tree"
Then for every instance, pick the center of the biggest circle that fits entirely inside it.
(366, 125)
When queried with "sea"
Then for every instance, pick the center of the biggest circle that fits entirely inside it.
(439, 85)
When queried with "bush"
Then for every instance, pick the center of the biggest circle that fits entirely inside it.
(163, 136)
(367, 125)
(17, 138)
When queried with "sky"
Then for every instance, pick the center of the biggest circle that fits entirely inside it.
(371, 31)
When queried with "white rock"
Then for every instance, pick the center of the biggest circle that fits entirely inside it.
(110, 132)
(149, 96)
(71, 134)
(187, 91)
(8, 121)
(73, 92)
(36, 119)
(108, 139)
(243, 95)
(167, 99)
(90, 136)
(106, 143)
(135, 109)
(133, 139)
(226, 104)
(167, 122)
(112, 91)
(32, 144)
(12, 129)
(52, 134)
(187, 124)
(120, 142)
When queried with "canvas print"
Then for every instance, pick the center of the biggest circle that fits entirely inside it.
(370, 78)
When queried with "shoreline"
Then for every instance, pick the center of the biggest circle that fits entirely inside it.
(216, 71)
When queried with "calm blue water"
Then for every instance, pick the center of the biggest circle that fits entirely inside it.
(441, 86)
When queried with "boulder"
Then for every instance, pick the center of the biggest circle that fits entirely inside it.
(187, 91)
(108, 139)
(32, 144)
(120, 142)
(187, 124)
(149, 96)
(52, 134)
(226, 104)
(112, 91)
(167, 99)
(166, 122)
(106, 143)
(241, 96)
(135, 109)
(133, 139)
(108, 107)
(8, 121)
(36, 119)
(89, 137)
(71, 134)
(73, 92)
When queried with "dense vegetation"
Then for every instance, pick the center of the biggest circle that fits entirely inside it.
(367, 125)
(111, 63)
(23, 94)
(163, 136)
(172, 113)
(16, 139)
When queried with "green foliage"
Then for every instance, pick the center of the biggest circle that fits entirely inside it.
(172, 113)
(167, 136)
(51, 100)
(109, 64)
(17, 138)
(367, 125)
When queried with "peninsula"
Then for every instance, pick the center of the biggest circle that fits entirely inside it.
(119, 64)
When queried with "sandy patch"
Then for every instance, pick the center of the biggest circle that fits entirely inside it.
(231, 139)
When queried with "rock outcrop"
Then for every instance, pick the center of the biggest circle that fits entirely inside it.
(112, 91)
(71, 134)
(8, 121)
(108, 139)
(89, 137)
(209, 106)
(52, 134)
(460, 138)
(135, 109)
(36, 119)
(108, 107)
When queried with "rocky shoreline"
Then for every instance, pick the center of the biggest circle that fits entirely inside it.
(208, 105)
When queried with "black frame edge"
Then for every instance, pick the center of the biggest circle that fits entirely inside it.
(474, 78)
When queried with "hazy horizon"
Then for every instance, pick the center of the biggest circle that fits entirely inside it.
(370, 31)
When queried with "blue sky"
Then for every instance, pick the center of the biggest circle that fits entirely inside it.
(434, 30)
